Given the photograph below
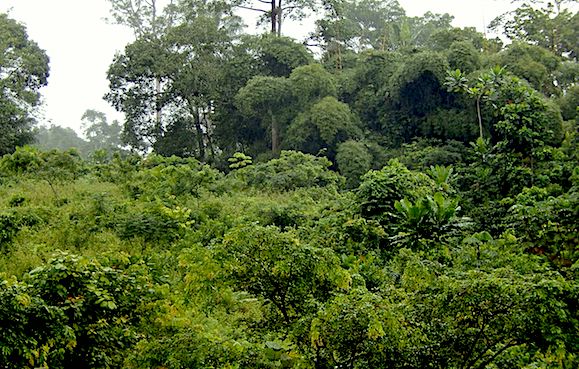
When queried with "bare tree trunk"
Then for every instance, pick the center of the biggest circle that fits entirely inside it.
(273, 17)
(154, 16)
(279, 18)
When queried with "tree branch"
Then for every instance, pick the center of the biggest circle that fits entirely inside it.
(250, 8)
(503, 349)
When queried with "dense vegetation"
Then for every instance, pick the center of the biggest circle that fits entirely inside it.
(407, 200)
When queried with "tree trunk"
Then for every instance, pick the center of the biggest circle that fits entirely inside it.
(158, 105)
(478, 113)
(200, 141)
(209, 130)
(274, 134)
(273, 17)
(279, 11)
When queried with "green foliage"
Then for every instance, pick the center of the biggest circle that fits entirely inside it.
(101, 304)
(463, 55)
(362, 86)
(381, 25)
(25, 69)
(417, 82)
(282, 262)
(443, 39)
(428, 221)
(323, 126)
(157, 224)
(239, 160)
(551, 26)
(23, 160)
(546, 224)
(455, 124)
(100, 134)
(280, 269)
(424, 153)
(569, 103)
(8, 228)
(164, 180)
(53, 166)
(390, 275)
(443, 177)
(311, 83)
(535, 64)
(526, 121)
(59, 138)
(262, 93)
(291, 171)
(380, 190)
(279, 56)
(355, 330)
(60, 165)
(74, 311)
(485, 88)
(266, 98)
(456, 311)
(354, 160)
(34, 333)
(173, 77)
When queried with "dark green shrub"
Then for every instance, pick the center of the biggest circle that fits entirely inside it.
(101, 301)
(290, 171)
(16, 200)
(9, 227)
(380, 190)
(34, 333)
(354, 160)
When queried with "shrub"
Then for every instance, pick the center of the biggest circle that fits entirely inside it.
(290, 171)
(380, 189)
(354, 160)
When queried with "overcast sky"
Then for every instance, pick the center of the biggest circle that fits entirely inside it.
(81, 45)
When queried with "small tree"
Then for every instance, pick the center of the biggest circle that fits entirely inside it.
(484, 88)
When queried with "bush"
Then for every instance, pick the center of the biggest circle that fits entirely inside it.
(9, 226)
(100, 302)
(380, 190)
(353, 160)
(34, 334)
(186, 177)
(291, 171)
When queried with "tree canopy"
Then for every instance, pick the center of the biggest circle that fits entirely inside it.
(403, 195)
(23, 71)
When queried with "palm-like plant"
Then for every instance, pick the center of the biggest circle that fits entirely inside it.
(428, 219)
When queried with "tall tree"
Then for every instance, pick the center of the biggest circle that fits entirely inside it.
(141, 16)
(145, 20)
(57, 137)
(552, 25)
(375, 24)
(275, 12)
(101, 134)
(267, 98)
(23, 71)
(359, 25)
(267, 55)
(177, 73)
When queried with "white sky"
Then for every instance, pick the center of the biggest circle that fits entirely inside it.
(81, 46)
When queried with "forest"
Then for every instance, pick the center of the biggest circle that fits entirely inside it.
(391, 192)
